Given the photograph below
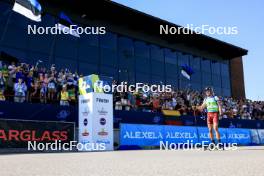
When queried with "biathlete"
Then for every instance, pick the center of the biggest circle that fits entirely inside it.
(214, 110)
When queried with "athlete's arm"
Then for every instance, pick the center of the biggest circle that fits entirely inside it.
(202, 107)
(220, 107)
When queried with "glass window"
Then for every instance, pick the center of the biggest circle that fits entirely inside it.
(196, 86)
(46, 59)
(170, 57)
(171, 70)
(126, 62)
(108, 71)
(206, 65)
(158, 80)
(89, 54)
(87, 69)
(141, 49)
(20, 21)
(157, 68)
(226, 92)
(183, 59)
(226, 82)
(184, 84)
(195, 63)
(217, 91)
(108, 40)
(142, 65)
(206, 79)
(156, 53)
(91, 40)
(172, 81)
(216, 80)
(46, 44)
(126, 75)
(64, 63)
(108, 57)
(5, 11)
(15, 37)
(225, 69)
(66, 46)
(21, 55)
(142, 77)
(216, 67)
(126, 46)
(196, 77)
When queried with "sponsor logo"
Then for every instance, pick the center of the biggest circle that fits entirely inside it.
(85, 112)
(103, 133)
(102, 121)
(85, 133)
(102, 112)
(63, 114)
(102, 100)
(85, 122)
(32, 135)
(85, 101)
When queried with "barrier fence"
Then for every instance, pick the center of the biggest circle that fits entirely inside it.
(152, 135)
(54, 112)
(17, 133)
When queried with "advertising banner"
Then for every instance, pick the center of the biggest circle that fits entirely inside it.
(95, 112)
(254, 136)
(180, 134)
(17, 133)
(203, 133)
(152, 135)
(261, 136)
(239, 136)
(142, 135)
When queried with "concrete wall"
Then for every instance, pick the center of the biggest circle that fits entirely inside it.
(237, 78)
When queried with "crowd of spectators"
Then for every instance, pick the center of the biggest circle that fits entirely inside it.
(34, 83)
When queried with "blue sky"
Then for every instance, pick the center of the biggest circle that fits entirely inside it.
(247, 15)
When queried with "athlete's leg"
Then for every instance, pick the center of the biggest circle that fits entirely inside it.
(217, 134)
(210, 128)
(216, 122)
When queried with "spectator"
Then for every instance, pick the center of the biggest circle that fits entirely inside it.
(2, 86)
(64, 96)
(20, 89)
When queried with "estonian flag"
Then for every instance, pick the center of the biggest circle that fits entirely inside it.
(187, 71)
(29, 8)
(67, 26)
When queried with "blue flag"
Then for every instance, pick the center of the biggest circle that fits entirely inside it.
(29, 8)
(187, 71)
(67, 26)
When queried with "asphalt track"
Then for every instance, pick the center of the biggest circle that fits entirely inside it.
(246, 161)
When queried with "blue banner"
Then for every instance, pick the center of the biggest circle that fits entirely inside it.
(203, 133)
(180, 134)
(142, 135)
(254, 136)
(261, 136)
(152, 135)
(239, 136)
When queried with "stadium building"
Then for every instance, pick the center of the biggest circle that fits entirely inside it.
(131, 50)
